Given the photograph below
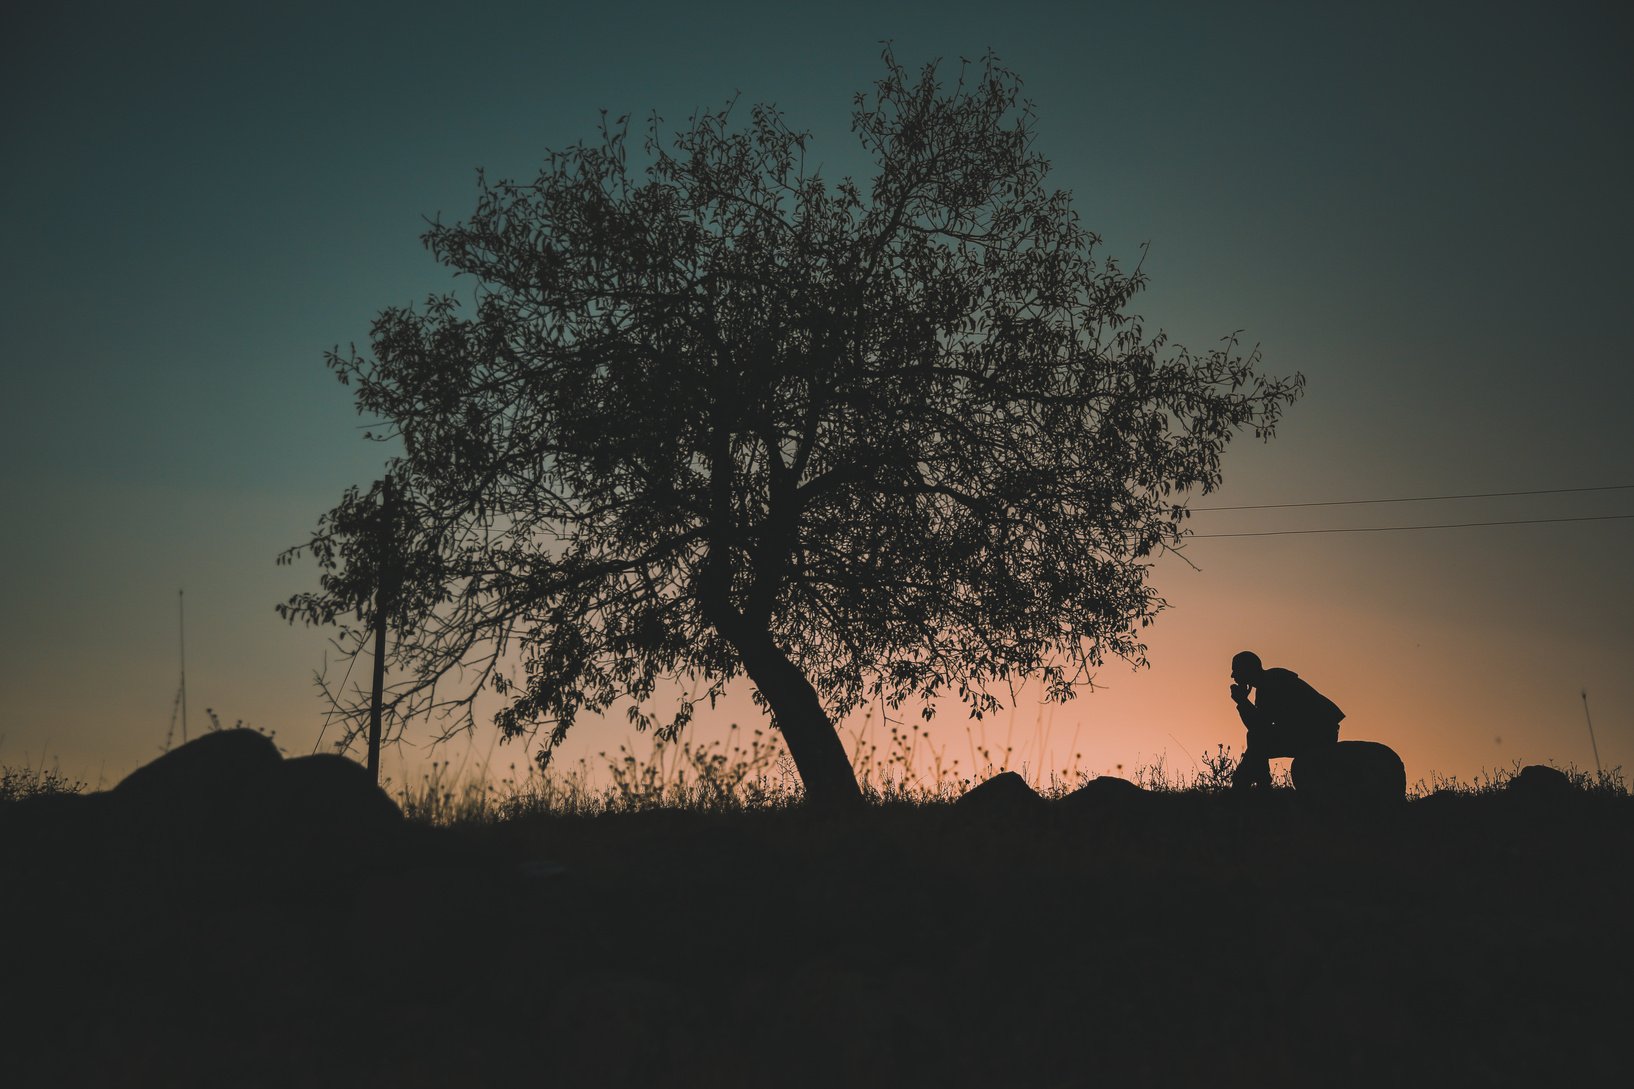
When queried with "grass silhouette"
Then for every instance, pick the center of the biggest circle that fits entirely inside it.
(677, 918)
(20, 783)
(739, 775)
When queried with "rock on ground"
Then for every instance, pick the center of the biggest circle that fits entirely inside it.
(1005, 795)
(228, 794)
(1105, 792)
(210, 770)
(322, 803)
(1351, 774)
(1538, 781)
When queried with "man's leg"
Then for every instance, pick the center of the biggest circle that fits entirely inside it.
(1251, 771)
(1254, 769)
(1264, 743)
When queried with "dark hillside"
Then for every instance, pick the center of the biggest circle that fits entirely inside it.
(1180, 938)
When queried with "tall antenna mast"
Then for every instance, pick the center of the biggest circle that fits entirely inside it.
(1590, 721)
(180, 703)
(181, 638)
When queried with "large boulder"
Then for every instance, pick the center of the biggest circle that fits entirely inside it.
(1538, 782)
(210, 770)
(1004, 795)
(316, 805)
(1351, 775)
(229, 795)
(188, 801)
(1105, 793)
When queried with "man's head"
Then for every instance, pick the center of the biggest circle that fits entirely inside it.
(1246, 668)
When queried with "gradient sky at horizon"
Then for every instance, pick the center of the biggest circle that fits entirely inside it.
(1423, 211)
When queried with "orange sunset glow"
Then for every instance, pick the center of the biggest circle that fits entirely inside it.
(1377, 260)
(511, 511)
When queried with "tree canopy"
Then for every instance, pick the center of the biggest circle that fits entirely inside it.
(707, 413)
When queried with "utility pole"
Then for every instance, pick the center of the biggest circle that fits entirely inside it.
(385, 566)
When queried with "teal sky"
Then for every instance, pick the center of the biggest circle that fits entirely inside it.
(1424, 211)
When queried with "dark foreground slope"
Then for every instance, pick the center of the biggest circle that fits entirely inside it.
(1170, 939)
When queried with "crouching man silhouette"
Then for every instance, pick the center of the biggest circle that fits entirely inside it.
(1286, 718)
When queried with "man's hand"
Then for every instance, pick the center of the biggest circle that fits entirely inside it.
(1239, 693)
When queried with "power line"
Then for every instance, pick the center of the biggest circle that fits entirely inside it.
(1398, 529)
(1421, 498)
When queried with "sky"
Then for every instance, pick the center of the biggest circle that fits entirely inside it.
(1421, 209)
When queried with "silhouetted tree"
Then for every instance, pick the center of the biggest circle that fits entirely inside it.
(712, 415)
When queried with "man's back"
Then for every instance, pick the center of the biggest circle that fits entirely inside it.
(1285, 700)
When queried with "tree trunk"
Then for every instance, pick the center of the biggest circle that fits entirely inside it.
(813, 742)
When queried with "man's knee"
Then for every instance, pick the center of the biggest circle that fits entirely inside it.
(1251, 771)
(1266, 743)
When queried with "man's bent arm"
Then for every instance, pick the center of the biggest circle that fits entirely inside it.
(1252, 716)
